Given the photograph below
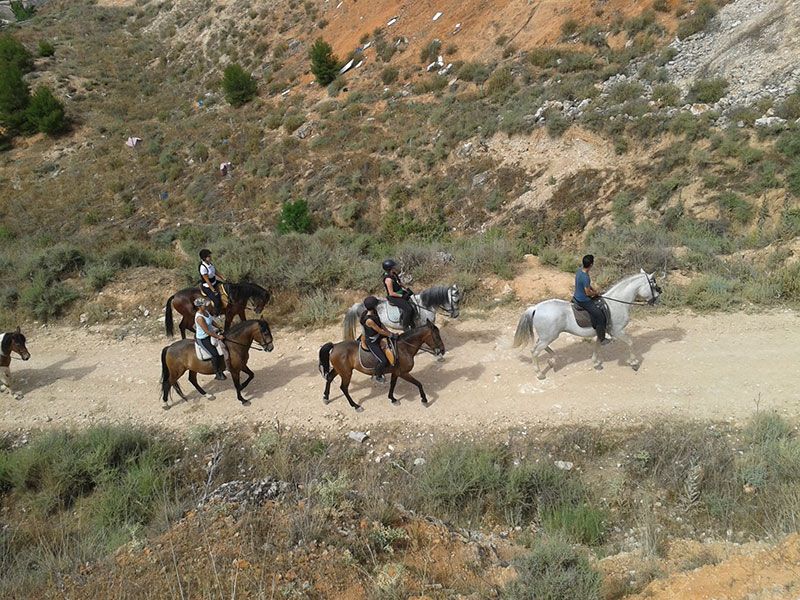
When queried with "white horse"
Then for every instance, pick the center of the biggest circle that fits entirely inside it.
(425, 303)
(551, 318)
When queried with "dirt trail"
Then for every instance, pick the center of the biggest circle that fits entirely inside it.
(707, 367)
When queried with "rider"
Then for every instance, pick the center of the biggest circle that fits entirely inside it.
(397, 294)
(209, 278)
(203, 332)
(584, 297)
(375, 336)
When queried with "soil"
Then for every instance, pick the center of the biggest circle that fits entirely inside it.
(715, 367)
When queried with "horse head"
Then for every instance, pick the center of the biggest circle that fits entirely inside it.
(266, 336)
(262, 297)
(649, 289)
(453, 297)
(18, 344)
(433, 339)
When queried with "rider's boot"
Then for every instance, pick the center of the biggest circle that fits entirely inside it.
(377, 375)
(601, 336)
(219, 367)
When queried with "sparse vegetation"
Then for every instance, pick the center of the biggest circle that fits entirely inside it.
(708, 91)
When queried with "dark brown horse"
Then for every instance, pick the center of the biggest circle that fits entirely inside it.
(343, 358)
(180, 356)
(239, 294)
(12, 341)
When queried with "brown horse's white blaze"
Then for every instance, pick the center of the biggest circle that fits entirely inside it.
(239, 295)
(342, 359)
(180, 356)
(11, 342)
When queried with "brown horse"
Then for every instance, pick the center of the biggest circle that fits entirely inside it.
(239, 294)
(13, 341)
(180, 356)
(344, 358)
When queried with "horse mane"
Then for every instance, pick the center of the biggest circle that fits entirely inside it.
(624, 281)
(236, 329)
(245, 290)
(434, 296)
(5, 347)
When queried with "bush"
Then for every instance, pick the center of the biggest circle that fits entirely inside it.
(788, 144)
(553, 570)
(667, 94)
(389, 75)
(555, 122)
(238, 85)
(704, 12)
(475, 72)
(735, 208)
(579, 524)
(45, 300)
(789, 109)
(14, 98)
(14, 54)
(626, 91)
(500, 81)
(317, 310)
(430, 52)
(324, 64)
(430, 83)
(295, 217)
(45, 113)
(22, 12)
(46, 48)
(793, 178)
(569, 28)
(708, 91)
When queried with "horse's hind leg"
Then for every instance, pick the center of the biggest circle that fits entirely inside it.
(598, 364)
(393, 383)
(541, 346)
(633, 362)
(193, 381)
(344, 387)
(326, 395)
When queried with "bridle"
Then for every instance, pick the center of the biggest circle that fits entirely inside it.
(422, 347)
(263, 344)
(451, 307)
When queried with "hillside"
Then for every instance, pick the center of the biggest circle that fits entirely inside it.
(553, 130)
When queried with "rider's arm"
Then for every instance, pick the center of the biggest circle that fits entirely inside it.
(220, 276)
(390, 286)
(374, 326)
(204, 326)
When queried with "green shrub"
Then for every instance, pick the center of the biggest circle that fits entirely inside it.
(640, 23)
(14, 54)
(132, 254)
(238, 85)
(429, 83)
(569, 28)
(324, 64)
(500, 81)
(620, 207)
(430, 52)
(661, 191)
(703, 13)
(580, 524)
(45, 113)
(735, 207)
(768, 427)
(475, 72)
(389, 75)
(100, 274)
(293, 121)
(788, 144)
(667, 94)
(295, 217)
(708, 91)
(55, 263)
(711, 292)
(317, 310)
(661, 5)
(553, 570)
(625, 91)
(555, 122)
(45, 300)
(14, 98)
(789, 109)
(793, 178)
(21, 11)
(46, 48)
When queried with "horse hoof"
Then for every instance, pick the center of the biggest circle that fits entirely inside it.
(326, 400)
(210, 397)
(359, 409)
(166, 406)
(425, 402)
(395, 402)
(635, 366)
(598, 367)
(541, 377)
(440, 359)
(245, 402)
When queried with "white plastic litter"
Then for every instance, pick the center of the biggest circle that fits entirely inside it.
(436, 16)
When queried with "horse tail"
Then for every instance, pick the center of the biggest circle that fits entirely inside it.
(164, 375)
(524, 333)
(168, 325)
(351, 321)
(325, 359)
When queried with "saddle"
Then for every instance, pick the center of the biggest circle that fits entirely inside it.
(582, 315)
(367, 359)
(394, 315)
(223, 293)
(203, 354)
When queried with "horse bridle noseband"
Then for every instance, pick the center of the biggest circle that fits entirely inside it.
(653, 289)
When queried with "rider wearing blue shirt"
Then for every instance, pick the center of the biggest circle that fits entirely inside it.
(584, 295)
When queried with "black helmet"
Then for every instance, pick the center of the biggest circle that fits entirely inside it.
(370, 302)
(389, 264)
(205, 253)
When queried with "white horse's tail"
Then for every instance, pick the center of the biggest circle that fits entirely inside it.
(524, 334)
(350, 323)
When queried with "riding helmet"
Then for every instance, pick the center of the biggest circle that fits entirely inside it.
(201, 302)
(370, 302)
(204, 253)
(389, 264)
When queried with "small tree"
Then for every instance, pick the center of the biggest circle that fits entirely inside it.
(239, 86)
(295, 217)
(45, 113)
(324, 65)
(46, 48)
(14, 54)
(14, 98)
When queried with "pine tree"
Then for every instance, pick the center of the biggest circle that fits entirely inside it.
(324, 65)
(14, 54)
(239, 86)
(45, 113)
(14, 98)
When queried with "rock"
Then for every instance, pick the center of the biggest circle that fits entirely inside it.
(480, 179)
(564, 465)
(84, 317)
(418, 462)
(305, 130)
(444, 258)
(357, 436)
(770, 122)
(465, 150)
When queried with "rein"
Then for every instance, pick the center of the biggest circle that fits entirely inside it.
(634, 303)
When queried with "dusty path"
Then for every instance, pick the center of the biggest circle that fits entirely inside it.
(709, 367)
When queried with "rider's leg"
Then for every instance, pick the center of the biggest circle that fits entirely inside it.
(383, 363)
(598, 319)
(387, 351)
(218, 361)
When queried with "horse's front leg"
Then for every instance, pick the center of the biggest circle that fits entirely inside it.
(250, 376)
(237, 384)
(633, 361)
(598, 364)
(5, 383)
(393, 383)
(408, 377)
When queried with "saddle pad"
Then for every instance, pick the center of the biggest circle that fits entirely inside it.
(203, 354)
(223, 293)
(392, 313)
(582, 316)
